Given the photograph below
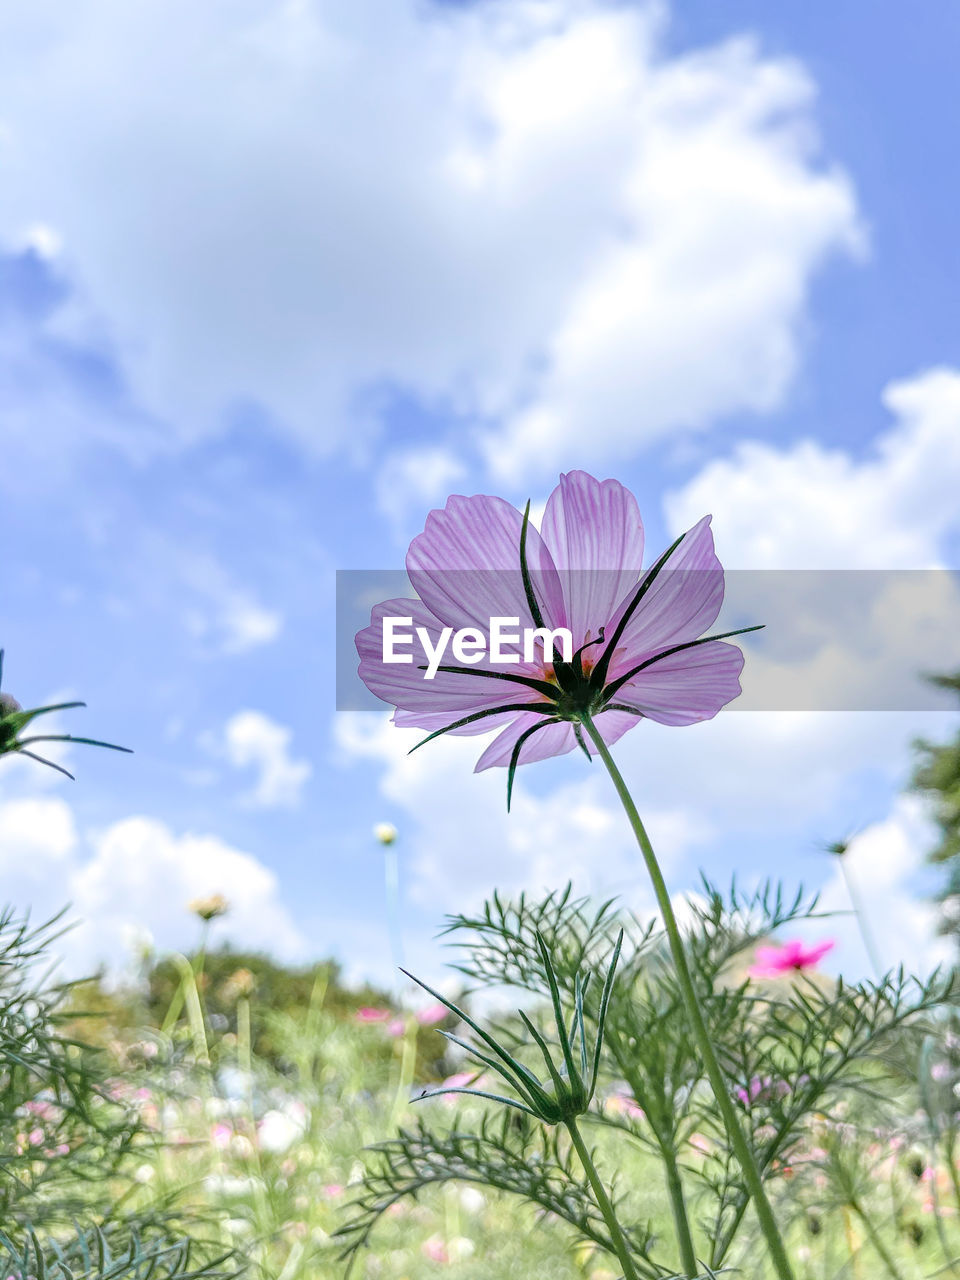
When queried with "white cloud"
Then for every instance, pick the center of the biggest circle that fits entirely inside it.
(252, 740)
(39, 828)
(761, 793)
(224, 615)
(459, 843)
(812, 507)
(535, 215)
(694, 306)
(855, 639)
(417, 477)
(134, 879)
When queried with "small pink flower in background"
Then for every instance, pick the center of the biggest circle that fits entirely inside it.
(752, 1092)
(701, 1143)
(435, 1250)
(396, 1028)
(35, 1137)
(761, 1088)
(368, 1014)
(40, 1107)
(431, 1015)
(220, 1135)
(332, 1191)
(791, 957)
(623, 1104)
(458, 1080)
(940, 1071)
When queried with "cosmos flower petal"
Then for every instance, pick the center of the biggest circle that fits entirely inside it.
(595, 535)
(465, 566)
(682, 603)
(551, 740)
(449, 695)
(688, 686)
(432, 720)
(812, 954)
(789, 957)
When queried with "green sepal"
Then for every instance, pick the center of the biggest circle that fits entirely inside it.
(615, 686)
(481, 715)
(532, 602)
(598, 675)
(477, 1093)
(602, 1014)
(542, 686)
(518, 747)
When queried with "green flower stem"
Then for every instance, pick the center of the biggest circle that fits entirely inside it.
(191, 996)
(408, 1066)
(748, 1165)
(866, 933)
(603, 1202)
(678, 1205)
(952, 1166)
(874, 1238)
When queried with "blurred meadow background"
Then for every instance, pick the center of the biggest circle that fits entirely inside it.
(276, 277)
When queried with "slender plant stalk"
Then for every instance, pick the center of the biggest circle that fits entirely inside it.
(952, 1166)
(603, 1202)
(879, 1247)
(245, 1041)
(866, 933)
(451, 1218)
(408, 1065)
(853, 1244)
(191, 997)
(678, 1206)
(391, 880)
(748, 1165)
(245, 1063)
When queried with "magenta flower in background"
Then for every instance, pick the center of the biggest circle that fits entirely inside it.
(369, 1014)
(431, 1014)
(791, 957)
(639, 648)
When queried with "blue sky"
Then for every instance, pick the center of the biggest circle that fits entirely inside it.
(277, 278)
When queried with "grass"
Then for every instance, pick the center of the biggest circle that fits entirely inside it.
(266, 1151)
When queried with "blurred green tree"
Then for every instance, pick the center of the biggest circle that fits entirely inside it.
(937, 776)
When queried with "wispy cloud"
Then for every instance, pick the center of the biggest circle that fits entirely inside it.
(251, 740)
(540, 221)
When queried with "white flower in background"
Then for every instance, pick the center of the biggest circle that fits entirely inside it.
(279, 1129)
(472, 1200)
(385, 832)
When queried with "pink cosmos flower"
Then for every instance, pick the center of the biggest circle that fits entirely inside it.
(221, 1136)
(638, 644)
(791, 957)
(760, 1089)
(431, 1015)
(435, 1249)
(368, 1014)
